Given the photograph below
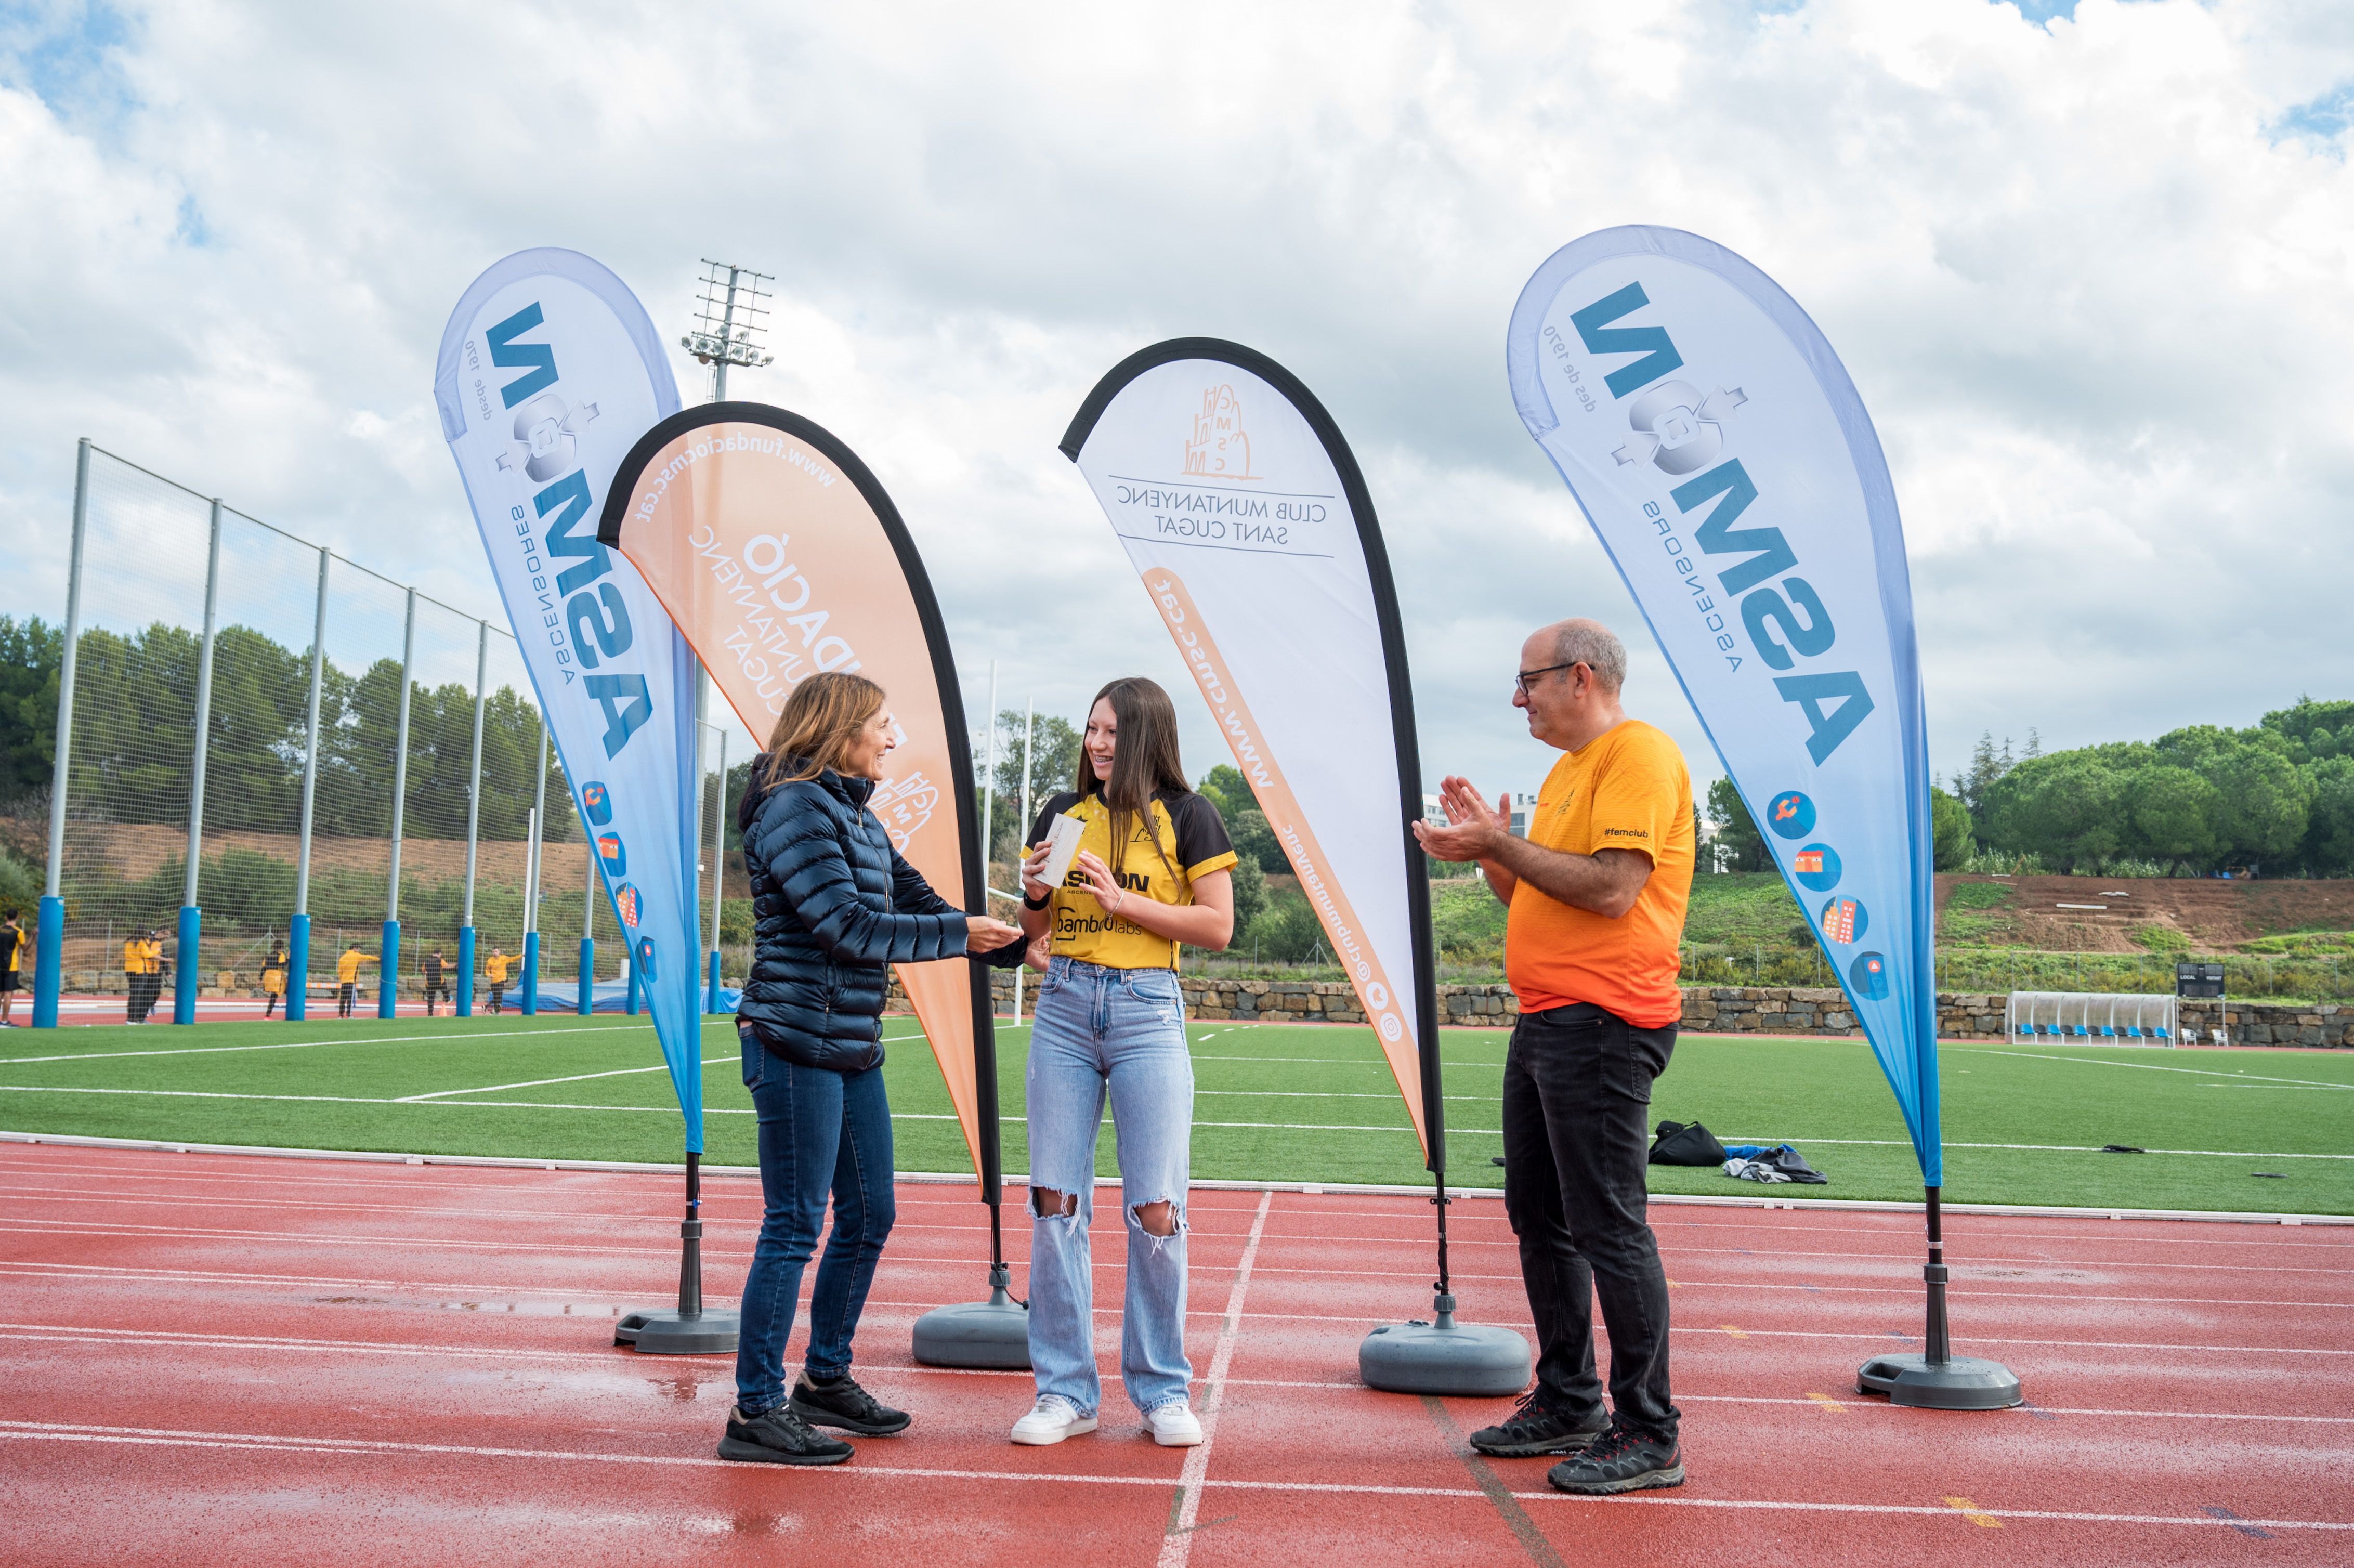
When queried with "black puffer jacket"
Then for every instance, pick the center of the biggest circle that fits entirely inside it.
(835, 905)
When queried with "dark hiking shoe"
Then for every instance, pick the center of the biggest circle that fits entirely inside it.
(1622, 1459)
(778, 1436)
(1534, 1429)
(843, 1403)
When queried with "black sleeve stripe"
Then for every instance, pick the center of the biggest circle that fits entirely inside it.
(1201, 832)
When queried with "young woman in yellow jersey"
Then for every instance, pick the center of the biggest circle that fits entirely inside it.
(1150, 875)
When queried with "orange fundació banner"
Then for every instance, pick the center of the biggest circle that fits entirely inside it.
(778, 555)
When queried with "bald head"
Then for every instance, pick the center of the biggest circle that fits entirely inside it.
(1586, 642)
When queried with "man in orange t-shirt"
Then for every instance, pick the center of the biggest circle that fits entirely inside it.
(1597, 892)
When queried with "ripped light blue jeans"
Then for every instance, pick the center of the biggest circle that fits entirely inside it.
(1121, 1031)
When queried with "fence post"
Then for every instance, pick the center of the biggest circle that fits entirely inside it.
(49, 927)
(588, 922)
(298, 934)
(531, 880)
(718, 867)
(190, 947)
(387, 993)
(465, 1008)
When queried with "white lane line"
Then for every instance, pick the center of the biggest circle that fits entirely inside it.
(1177, 1546)
(34, 1430)
(2147, 1066)
(523, 1034)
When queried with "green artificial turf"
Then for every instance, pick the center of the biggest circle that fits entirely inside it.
(1274, 1103)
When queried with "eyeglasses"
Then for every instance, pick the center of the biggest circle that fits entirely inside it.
(1523, 679)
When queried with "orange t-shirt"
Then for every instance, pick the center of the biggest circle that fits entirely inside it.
(1628, 788)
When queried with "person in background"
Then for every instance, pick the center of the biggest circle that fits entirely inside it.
(12, 956)
(1152, 874)
(834, 905)
(347, 978)
(273, 978)
(494, 969)
(1597, 893)
(432, 967)
(141, 964)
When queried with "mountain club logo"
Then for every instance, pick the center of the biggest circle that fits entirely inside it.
(1218, 447)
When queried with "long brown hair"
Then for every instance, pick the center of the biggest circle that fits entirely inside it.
(1144, 761)
(820, 721)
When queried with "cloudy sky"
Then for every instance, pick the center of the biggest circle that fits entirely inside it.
(2089, 266)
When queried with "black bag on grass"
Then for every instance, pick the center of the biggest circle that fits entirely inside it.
(1686, 1143)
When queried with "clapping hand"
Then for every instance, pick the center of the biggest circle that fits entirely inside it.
(1472, 826)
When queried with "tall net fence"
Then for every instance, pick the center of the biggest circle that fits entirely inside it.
(130, 776)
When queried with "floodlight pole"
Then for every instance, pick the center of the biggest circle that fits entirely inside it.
(729, 322)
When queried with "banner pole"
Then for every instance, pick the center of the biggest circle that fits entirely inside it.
(718, 867)
(1021, 828)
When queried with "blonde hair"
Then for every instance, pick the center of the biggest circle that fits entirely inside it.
(819, 722)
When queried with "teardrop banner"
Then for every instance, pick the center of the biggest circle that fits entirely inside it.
(778, 555)
(1722, 455)
(548, 369)
(1243, 509)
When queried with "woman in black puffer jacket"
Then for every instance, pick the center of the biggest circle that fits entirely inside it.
(836, 906)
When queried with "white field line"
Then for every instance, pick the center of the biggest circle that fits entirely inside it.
(55, 1432)
(1020, 1121)
(2145, 1066)
(543, 1083)
(525, 1035)
(1177, 1546)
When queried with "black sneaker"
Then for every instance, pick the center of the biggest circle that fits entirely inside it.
(778, 1436)
(1623, 1459)
(843, 1403)
(1534, 1429)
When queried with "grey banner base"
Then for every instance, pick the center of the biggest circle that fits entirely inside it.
(992, 1335)
(1471, 1360)
(666, 1332)
(1959, 1382)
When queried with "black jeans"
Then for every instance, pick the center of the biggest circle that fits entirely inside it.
(1577, 1094)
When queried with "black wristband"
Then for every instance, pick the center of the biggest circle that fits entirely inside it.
(1029, 903)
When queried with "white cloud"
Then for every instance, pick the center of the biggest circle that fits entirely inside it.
(2091, 274)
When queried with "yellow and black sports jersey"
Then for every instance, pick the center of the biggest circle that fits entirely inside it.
(1182, 839)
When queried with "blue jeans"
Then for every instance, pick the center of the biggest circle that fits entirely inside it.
(820, 1130)
(1121, 1030)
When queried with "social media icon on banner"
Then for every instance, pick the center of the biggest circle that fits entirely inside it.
(625, 899)
(645, 953)
(1843, 921)
(613, 853)
(596, 805)
(1791, 815)
(1868, 976)
(1816, 867)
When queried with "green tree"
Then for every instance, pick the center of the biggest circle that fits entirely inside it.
(1953, 834)
(1250, 895)
(1254, 841)
(30, 654)
(2315, 731)
(2063, 808)
(1739, 845)
(1225, 788)
(2264, 800)
(2329, 826)
(2173, 812)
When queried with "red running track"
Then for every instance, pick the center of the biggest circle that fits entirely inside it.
(218, 1359)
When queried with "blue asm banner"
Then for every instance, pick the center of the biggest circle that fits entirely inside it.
(549, 371)
(1724, 457)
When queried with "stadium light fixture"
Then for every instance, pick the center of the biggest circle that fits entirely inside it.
(730, 317)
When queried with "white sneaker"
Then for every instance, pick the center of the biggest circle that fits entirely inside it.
(1051, 1420)
(1174, 1426)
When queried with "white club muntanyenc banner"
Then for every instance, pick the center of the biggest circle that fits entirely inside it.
(549, 371)
(1243, 509)
(1719, 449)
